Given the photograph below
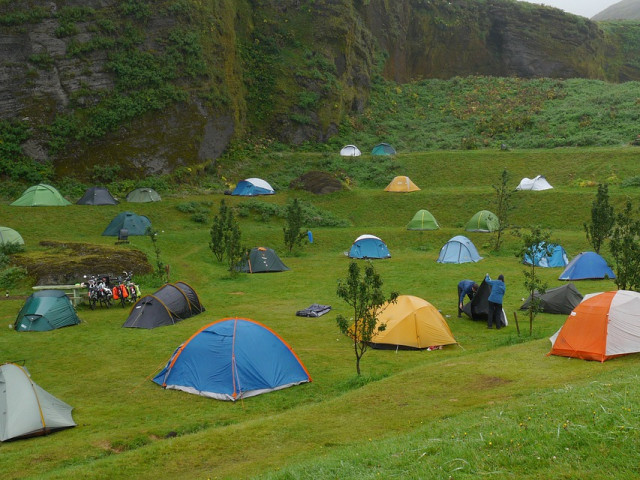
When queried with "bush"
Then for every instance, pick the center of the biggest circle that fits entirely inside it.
(12, 276)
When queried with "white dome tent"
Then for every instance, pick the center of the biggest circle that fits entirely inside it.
(537, 183)
(350, 151)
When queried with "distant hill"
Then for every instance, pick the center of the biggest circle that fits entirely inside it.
(624, 10)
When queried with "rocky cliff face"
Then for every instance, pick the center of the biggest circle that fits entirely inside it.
(152, 86)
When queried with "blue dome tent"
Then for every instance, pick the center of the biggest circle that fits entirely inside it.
(369, 246)
(587, 266)
(251, 187)
(551, 256)
(233, 358)
(459, 250)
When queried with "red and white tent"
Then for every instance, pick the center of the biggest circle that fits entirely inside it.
(602, 326)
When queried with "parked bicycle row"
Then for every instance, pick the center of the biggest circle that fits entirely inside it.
(102, 292)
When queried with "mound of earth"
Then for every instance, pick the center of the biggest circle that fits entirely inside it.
(317, 182)
(63, 263)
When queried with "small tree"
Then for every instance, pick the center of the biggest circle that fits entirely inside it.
(536, 243)
(292, 230)
(363, 293)
(234, 249)
(625, 248)
(220, 231)
(161, 269)
(503, 207)
(602, 218)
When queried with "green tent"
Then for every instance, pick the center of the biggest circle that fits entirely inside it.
(143, 195)
(483, 221)
(41, 195)
(9, 235)
(129, 221)
(27, 409)
(262, 260)
(423, 220)
(46, 310)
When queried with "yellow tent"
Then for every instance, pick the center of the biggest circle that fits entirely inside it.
(412, 322)
(401, 184)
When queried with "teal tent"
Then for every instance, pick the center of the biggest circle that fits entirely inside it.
(27, 409)
(46, 310)
(129, 221)
(383, 149)
(41, 195)
(9, 235)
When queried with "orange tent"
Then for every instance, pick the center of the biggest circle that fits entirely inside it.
(602, 326)
(401, 184)
(412, 322)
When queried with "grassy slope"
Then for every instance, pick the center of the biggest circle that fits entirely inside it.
(130, 428)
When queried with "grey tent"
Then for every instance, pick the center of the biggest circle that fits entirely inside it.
(27, 409)
(46, 310)
(262, 260)
(170, 304)
(143, 195)
(97, 196)
(561, 299)
(129, 221)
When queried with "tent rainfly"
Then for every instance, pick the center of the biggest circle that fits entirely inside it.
(423, 220)
(459, 250)
(536, 184)
(9, 235)
(602, 326)
(134, 224)
(143, 195)
(478, 307)
(233, 358)
(41, 195)
(97, 196)
(411, 323)
(562, 299)
(383, 149)
(262, 260)
(251, 187)
(369, 246)
(169, 304)
(587, 266)
(27, 409)
(547, 256)
(350, 151)
(484, 221)
(401, 184)
(46, 310)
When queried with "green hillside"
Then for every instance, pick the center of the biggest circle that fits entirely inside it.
(496, 403)
(150, 87)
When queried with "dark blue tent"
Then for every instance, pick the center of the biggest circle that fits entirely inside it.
(253, 186)
(587, 266)
(551, 256)
(369, 246)
(233, 358)
(459, 250)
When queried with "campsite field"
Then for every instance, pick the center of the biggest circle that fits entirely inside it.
(495, 406)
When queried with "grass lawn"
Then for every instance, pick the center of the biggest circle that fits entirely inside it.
(494, 406)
